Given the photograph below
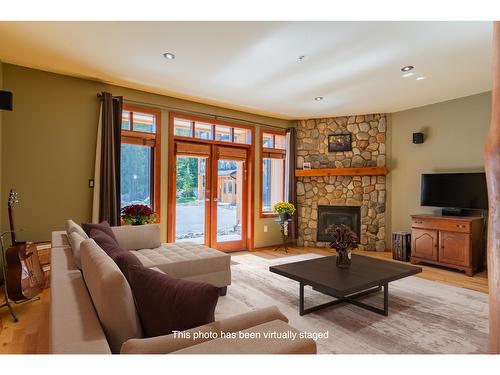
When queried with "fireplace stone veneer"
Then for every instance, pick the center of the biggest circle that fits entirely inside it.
(366, 192)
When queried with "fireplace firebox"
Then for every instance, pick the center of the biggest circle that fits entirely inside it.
(331, 216)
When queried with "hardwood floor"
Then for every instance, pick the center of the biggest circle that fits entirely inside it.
(31, 334)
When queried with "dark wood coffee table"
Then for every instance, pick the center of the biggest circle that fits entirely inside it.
(365, 276)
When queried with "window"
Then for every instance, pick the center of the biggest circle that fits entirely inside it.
(202, 130)
(140, 158)
(273, 170)
(210, 131)
(242, 135)
(182, 127)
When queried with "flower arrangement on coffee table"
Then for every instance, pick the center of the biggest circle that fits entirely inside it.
(138, 214)
(343, 241)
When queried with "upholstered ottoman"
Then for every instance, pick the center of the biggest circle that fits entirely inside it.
(186, 260)
(189, 261)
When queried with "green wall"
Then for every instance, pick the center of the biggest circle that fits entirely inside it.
(455, 134)
(49, 147)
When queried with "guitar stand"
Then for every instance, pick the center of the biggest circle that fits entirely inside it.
(27, 300)
(7, 304)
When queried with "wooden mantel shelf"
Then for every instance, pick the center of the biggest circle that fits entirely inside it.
(365, 171)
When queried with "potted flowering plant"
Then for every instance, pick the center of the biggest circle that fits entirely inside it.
(343, 241)
(138, 214)
(284, 210)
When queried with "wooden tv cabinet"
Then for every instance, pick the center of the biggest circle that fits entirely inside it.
(450, 241)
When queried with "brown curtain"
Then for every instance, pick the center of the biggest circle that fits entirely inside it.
(290, 180)
(109, 195)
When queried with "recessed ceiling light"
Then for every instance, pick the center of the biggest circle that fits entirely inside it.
(169, 56)
(409, 74)
(407, 68)
(302, 57)
(318, 98)
(420, 78)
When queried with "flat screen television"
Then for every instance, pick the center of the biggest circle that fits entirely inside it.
(454, 190)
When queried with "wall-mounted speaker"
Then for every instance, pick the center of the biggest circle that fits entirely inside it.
(6, 100)
(418, 138)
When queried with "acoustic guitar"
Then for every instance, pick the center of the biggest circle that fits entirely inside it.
(25, 278)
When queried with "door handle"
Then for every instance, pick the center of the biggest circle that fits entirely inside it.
(216, 200)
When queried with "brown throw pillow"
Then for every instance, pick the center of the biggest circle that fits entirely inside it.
(166, 304)
(102, 226)
(105, 242)
(126, 259)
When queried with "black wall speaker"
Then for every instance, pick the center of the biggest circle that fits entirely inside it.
(6, 100)
(418, 138)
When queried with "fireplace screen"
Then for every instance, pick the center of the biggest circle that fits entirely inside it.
(331, 216)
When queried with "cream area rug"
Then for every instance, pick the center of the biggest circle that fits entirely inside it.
(424, 316)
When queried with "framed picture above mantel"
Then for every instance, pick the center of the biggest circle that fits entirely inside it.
(340, 142)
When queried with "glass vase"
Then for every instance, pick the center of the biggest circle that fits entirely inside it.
(343, 258)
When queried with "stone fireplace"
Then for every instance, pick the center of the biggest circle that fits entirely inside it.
(364, 193)
(331, 216)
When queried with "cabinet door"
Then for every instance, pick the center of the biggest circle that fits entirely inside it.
(454, 248)
(424, 243)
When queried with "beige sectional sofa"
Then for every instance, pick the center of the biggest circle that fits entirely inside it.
(93, 309)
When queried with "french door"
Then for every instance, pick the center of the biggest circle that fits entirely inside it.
(211, 195)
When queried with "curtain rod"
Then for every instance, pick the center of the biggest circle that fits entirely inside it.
(203, 114)
(99, 95)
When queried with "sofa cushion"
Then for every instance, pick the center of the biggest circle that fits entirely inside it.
(124, 260)
(75, 240)
(185, 259)
(102, 226)
(71, 227)
(74, 325)
(134, 237)
(167, 304)
(108, 244)
(111, 295)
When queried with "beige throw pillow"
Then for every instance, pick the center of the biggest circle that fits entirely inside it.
(111, 295)
(71, 227)
(75, 240)
(136, 237)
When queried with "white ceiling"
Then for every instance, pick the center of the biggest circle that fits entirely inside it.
(254, 66)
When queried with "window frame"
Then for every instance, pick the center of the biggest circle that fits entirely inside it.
(213, 122)
(271, 153)
(152, 140)
(251, 167)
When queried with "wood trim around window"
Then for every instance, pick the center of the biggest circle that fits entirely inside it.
(172, 169)
(268, 152)
(153, 141)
